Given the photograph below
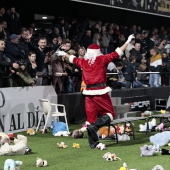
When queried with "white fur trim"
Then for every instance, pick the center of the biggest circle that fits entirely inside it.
(119, 51)
(87, 123)
(97, 92)
(110, 115)
(71, 57)
(96, 52)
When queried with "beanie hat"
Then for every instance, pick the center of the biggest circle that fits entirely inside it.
(93, 51)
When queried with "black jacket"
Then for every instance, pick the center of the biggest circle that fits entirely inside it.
(4, 65)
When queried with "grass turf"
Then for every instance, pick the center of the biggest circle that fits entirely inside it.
(83, 158)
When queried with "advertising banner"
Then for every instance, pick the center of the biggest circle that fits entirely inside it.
(20, 108)
(155, 7)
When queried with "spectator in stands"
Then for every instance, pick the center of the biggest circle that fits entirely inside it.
(105, 40)
(164, 76)
(136, 53)
(41, 50)
(130, 73)
(13, 21)
(2, 13)
(23, 42)
(32, 65)
(58, 72)
(87, 39)
(55, 33)
(3, 34)
(155, 66)
(5, 66)
(96, 38)
(5, 26)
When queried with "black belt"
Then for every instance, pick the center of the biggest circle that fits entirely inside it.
(95, 85)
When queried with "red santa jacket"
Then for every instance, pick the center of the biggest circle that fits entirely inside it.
(95, 73)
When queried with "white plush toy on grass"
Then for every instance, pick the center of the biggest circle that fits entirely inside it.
(143, 128)
(40, 162)
(18, 148)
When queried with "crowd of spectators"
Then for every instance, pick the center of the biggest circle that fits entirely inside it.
(28, 58)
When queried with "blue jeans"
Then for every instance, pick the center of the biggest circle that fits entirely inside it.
(137, 84)
(155, 80)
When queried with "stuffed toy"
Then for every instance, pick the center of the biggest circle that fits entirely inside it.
(124, 167)
(40, 162)
(79, 133)
(10, 164)
(103, 132)
(160, 139)
(160, 127)
(149, 150)
(128, 129)
(147, 113)
(101, 146)
(165, 151)
(110, 157)
(143, 128)
(4, 138)
(76, 145)
(163, 111)
(120, 129)
(18, 148)
(45, 131)
(158, 167)
(61, 128)
(62, 145)
(30, 131)
(123, 137)
(62, 133)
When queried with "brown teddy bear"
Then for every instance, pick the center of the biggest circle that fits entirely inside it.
(62, 145)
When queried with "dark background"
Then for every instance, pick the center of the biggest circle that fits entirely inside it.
(65, 8)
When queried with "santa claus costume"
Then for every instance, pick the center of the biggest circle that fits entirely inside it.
(97, 99)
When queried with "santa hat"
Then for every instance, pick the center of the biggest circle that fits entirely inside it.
(93, 51)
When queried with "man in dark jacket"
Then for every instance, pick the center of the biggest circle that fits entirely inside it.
(4, 65)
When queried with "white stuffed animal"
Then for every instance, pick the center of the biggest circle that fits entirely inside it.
(143, 128)
(40, 162)
(18, 148)
(62, 133)
(123, 137)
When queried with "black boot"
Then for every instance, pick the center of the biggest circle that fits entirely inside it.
(92, 130)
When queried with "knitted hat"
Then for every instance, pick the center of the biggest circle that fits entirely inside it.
(93, 51)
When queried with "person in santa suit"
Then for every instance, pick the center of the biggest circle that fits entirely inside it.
(97, 99)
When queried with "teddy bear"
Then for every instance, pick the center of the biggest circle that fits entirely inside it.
(110, 157)
(158, 167)
(30, 131)
(149, 150)
(147, 113)
(17, 149)
(60, 129)
(41, 163)
(10, 164)
(160, 127)
(101, 146)
(62, 145)
(160, 139)
(77, 134)
(103, 132)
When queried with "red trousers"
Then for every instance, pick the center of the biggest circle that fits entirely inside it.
(99, 104)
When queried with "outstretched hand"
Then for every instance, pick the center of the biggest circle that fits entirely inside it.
(130, 38)
(60, 53)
